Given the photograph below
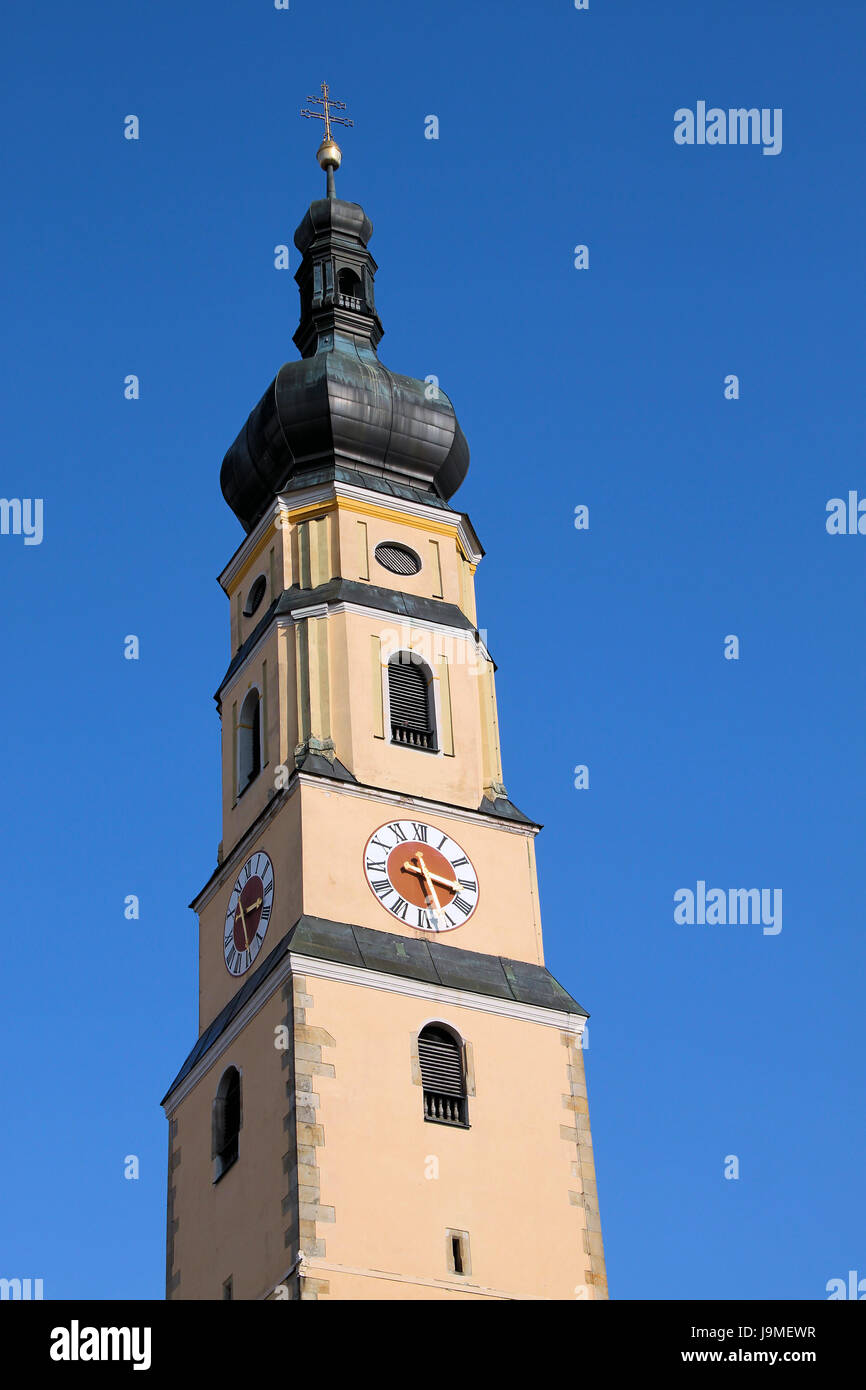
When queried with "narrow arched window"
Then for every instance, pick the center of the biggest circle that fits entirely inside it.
(226, 1121)
(410, 695)
(443, 1076)
(249, 741)
(349, 288)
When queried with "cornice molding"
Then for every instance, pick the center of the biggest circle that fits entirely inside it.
(381, 795)
(440, 995)
(386, 797)
(323, 610)
(320, 494)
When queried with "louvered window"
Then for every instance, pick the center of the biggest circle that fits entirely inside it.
(410, 697)
(399, 559)
(442, 1076)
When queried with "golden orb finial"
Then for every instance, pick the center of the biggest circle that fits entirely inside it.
(329, 154)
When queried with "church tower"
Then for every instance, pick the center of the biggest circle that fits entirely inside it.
(387, 1096)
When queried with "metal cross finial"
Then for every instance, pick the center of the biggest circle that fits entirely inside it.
(327, 103)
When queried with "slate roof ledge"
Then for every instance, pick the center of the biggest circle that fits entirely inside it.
(498, 977)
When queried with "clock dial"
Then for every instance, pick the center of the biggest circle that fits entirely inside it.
(248, 913)
(421, 876)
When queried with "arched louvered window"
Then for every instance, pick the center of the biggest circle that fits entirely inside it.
(226, 1121)
(410, 695)
(443, 1076)
(249, 741)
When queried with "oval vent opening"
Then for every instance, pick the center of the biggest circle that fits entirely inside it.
(399, 559)
(255, 596)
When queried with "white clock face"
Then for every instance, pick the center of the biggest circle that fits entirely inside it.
(421, 876)
(248, 913)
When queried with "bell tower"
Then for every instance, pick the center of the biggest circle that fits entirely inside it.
(387, 1097)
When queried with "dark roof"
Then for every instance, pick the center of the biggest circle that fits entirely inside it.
(495, 976)
(501, 806)
(336, 473)
(339, 404)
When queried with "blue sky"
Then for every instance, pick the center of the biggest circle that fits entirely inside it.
(602, 387)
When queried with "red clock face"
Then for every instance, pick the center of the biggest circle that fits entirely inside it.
(421, 876)
(248, 913)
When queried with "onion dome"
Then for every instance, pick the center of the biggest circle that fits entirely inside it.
(339, 404)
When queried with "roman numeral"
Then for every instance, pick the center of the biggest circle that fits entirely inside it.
(374, 841)
(266, 912)
(381, 887)
(442, 841)
(246, 871)
(420, 831)
(462, 905)
(397, 832)
(230, 960)
(455, 863)
(468, 883)
(376, 865)
(400, 909)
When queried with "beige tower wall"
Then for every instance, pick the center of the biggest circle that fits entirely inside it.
(337, 1163)
(387, 1209)
(326, 879)
(341, 1188)
(235, 1227)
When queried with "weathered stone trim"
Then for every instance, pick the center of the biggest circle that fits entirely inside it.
(308, 1068)
(584, 1193)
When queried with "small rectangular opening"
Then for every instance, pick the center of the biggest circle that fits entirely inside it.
(457, 1254)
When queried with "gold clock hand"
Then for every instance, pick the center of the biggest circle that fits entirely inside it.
(244, 925)
(430, 891)
(445, 882)
(435, 878)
